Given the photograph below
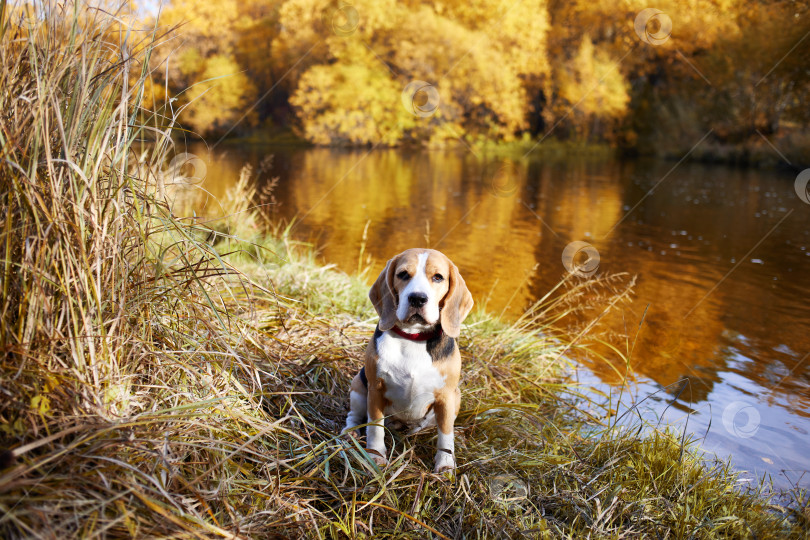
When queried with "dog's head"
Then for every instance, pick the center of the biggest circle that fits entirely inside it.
(418, 289)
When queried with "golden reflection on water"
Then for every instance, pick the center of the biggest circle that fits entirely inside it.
(506, 223)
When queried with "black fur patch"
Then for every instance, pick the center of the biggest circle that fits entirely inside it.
(441, 346)
(363, 376)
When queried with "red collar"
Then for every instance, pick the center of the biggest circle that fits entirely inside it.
(419, 336)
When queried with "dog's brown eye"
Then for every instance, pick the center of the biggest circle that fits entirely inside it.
(438, 278)
(404, 276)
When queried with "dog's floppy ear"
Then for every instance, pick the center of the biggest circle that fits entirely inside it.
(384, 298)
(456, 304)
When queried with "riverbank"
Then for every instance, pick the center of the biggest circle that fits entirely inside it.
(785, 150)
(166, 376)
(234, 431)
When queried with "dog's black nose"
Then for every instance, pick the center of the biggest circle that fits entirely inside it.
(417, 299)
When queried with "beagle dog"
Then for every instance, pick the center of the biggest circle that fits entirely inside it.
(413, 365)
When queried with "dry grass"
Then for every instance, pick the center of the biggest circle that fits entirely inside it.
(161, 378)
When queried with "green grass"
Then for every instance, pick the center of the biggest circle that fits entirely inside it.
(544, 147)
(165, 377)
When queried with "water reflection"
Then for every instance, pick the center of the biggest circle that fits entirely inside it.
(722, 281)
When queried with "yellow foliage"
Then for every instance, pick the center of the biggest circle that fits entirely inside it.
(498, 68)
(190, 62)
(349, 104)
(593, 86)
(350, 91)
(517, 29)
(207, 20)
(216, 43)
(222, 97)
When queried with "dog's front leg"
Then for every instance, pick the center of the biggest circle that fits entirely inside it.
(358, 405)
(446, 407)
(375, 432)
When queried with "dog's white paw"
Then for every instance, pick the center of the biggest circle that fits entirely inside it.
(444, 462)
(377, 456)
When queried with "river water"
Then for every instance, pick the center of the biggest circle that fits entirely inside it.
(721, 255)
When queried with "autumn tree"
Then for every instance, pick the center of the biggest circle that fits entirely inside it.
(213, 67)
(593, 89)
(388, 72)
(478, 72)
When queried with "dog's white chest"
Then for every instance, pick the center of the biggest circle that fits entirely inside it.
(409, 375)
